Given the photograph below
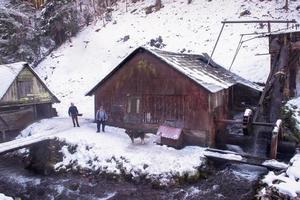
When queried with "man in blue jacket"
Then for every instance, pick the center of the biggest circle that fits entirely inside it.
(101, 118)
(73, 112)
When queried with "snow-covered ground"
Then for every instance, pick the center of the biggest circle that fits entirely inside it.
(112, 151)
(3, 197)
(288, 182)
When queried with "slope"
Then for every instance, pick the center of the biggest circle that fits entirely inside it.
(79, 64)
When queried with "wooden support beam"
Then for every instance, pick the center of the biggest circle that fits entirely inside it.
(231, 121)
(263, 124)
(258, 21)
(3, 135)
(212, 53)
(274, 145)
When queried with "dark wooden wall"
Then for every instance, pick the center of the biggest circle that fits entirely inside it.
(162, 94)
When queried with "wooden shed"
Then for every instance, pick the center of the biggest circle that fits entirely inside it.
(151, 86)
(24, 97)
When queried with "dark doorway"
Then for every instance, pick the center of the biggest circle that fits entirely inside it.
(43, 111)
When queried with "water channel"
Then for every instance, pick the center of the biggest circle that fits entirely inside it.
(226, 181)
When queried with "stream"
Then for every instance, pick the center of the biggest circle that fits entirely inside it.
(227, 181)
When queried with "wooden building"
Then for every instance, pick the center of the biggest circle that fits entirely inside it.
(150, 87)
(24, 97)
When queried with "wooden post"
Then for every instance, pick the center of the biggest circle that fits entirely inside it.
(269, 27)
(276, 133)
(212, 53)
(3, 135)
(247, 122)
(274, 145)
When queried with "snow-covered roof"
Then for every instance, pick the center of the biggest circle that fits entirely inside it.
(8, 74)
(283, 32)
(211, 76)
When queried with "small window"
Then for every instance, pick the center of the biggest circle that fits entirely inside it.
(133, 105)
(24, 88)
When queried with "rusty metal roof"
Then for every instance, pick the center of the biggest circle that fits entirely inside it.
(211, 76)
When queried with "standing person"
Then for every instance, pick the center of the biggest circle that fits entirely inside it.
(101, 118)
(73, 112)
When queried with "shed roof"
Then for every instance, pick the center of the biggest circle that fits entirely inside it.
(211, 76)
(9, 72)
(288, 31)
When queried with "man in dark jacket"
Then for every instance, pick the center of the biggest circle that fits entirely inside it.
(73, 112)
(101, 118)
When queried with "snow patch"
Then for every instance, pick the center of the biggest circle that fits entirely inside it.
(287, 182)
(112, 152)
(3, 197)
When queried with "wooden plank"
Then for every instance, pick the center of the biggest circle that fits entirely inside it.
(23, 142)
(257, 21)
(246, 159)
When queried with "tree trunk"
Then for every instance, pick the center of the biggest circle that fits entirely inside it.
(158, 4)
(286, 7)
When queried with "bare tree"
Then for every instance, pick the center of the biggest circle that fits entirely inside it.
(286, 6)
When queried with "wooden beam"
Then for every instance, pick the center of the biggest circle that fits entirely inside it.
(212, 53)
(274, 145)
(259, 21)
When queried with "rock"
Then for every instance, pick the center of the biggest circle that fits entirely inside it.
(125, 38)
(149, 9)
(182, 50)
(244, 13)
(74, 186)
(145, 166)
(158, 42)
(216, 187)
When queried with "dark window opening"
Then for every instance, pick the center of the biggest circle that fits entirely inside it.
(24, 88)
(133, 105)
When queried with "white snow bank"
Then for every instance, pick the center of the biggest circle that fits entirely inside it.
(288, 182)
(227, 156)
(111, 151)
(3, 197)
(275, 163)
(294, 105)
